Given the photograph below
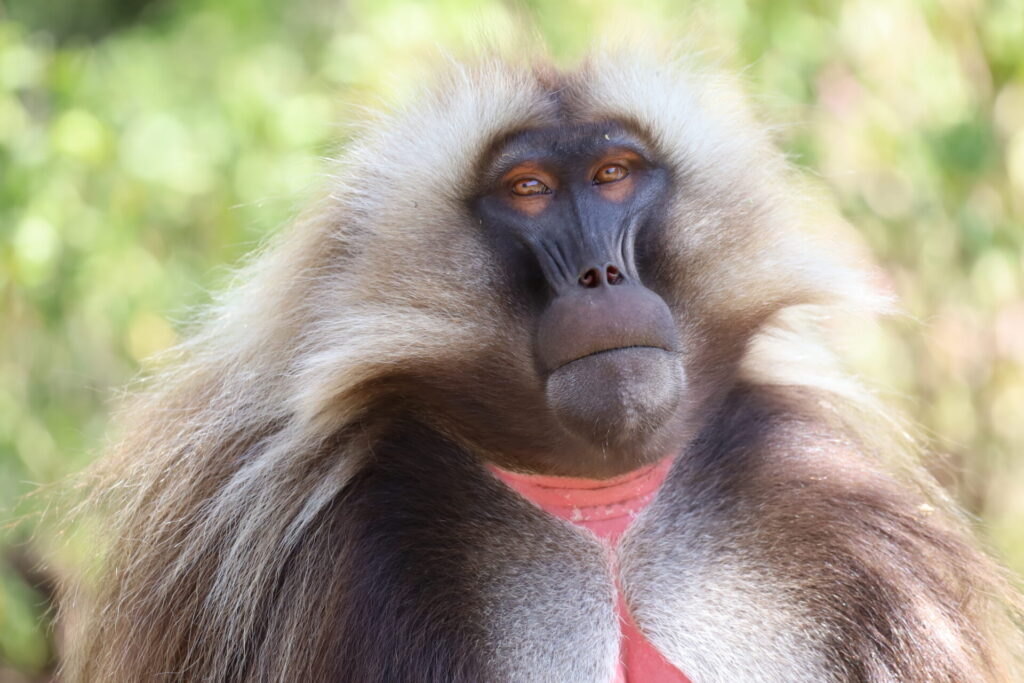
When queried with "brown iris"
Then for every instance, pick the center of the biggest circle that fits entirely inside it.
(525, 187)
(610, 173)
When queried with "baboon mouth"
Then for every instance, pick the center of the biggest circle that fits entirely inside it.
(612, 350)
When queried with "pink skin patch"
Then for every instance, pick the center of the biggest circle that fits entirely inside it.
(606, 507)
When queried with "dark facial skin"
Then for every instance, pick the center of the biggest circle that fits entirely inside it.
(566, 207)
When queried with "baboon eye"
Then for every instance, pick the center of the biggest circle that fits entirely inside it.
(524, 187)
(610, 173)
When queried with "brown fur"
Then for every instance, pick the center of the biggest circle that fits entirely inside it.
(300, 495)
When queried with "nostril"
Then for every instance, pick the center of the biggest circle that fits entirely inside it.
(591, 278)
(613, 275)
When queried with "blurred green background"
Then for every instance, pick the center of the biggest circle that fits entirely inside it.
(144, 144)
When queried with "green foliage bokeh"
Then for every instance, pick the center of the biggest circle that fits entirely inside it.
(143, 145)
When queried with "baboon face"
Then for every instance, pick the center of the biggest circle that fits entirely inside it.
(567, 268)
(569, 208)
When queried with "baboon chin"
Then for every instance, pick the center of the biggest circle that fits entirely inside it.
(617, 398)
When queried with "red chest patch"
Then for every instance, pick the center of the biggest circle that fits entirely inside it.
(607, 508)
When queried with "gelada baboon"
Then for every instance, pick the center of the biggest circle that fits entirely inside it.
(538, 307)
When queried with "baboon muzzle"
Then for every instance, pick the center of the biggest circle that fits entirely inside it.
(610, 355)
(601, 316)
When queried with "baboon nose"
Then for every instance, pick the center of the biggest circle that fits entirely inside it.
(608, 274)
